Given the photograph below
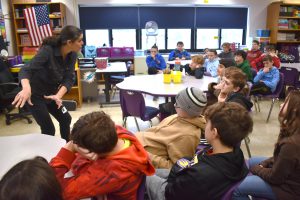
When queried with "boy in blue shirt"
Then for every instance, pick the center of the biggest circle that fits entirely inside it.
(211, 63)
(266, 80)
(179, 53)
(155, 62)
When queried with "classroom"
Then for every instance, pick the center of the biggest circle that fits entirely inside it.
(148, 99)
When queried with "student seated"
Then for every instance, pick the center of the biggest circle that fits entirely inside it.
(278, 177)
(196, 67)
(177, 135)
(155, 62)
(212, 171)
(266, 80)
(211, 63)
(254, 52)
(179, 53)
(227, 53)
(257, 63)
(105, 159)
(243, 64)
(30, 179)
(235, 88)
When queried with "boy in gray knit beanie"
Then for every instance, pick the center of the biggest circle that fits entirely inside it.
(178, 135)
(192, 100)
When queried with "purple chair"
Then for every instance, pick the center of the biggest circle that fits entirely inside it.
(141, 189)
(275, 95)
(291, 77)
(228, 194)
(133, 105)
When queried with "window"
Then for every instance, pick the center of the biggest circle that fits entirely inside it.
(175, 35)
(124, 38)
(97, 37)
(231, 35)
(207, 38)
(160, 39)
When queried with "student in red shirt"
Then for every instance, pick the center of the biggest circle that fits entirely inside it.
(257, 63)
(106, 160)
(254, 52)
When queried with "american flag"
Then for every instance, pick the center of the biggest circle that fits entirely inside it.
(38, 23)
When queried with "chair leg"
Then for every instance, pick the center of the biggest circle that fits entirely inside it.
(124, 122)
(247, 141)
(273, 100)
(258, 106)
(136, 124)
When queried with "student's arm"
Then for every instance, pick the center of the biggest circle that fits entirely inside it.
(172, 56)
(162, 62)
(258, 76)
(276, 61)
(187, 55)
(199, 72)
(268, 162)
(176, 149)
(93, 180)
(285, 166)
(255, 61)
(149, 61)
(273, 83)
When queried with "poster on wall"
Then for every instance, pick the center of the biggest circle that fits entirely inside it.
(2, 25)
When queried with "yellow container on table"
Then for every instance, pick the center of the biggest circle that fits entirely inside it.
(167, 78)
(177, 76)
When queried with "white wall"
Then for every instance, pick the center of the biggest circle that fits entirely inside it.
(257, 11)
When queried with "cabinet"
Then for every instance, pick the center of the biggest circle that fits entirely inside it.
(283, 19)
(57, 21)
(76, 91)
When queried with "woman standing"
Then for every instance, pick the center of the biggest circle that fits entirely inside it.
(47, 77)
(278, 177)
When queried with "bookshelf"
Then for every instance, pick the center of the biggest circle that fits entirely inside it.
(283, 19)
(57, 21)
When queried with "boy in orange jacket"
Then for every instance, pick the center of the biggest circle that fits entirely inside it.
(106, 160)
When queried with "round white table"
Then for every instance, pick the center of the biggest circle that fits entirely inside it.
(154, 85)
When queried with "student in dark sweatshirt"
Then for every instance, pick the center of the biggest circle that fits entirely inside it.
(212, 171)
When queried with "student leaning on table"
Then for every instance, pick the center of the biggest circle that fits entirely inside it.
(179, 53)
(155, 62)
(177, 135)
(106, 160)
(211, 63)
(48, 77)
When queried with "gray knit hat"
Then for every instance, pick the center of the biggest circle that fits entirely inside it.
(191, 100)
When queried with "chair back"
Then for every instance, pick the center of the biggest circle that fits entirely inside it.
(141, 189)
(291, 75)
(132, 104)
(279, 86)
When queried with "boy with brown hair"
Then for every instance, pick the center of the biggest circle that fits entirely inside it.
(257, 63)
(106, 160)
(254, 52)
(235, 88)
(196, 67)
(212, 171)
(177, 135)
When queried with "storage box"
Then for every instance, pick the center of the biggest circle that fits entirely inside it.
(167, 78)
(263, 33)
(176, 76)
(116, 52)
(101, 63)
(127, 52)
(103, 52)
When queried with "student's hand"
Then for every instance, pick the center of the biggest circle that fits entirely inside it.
(266, 69)
(22, 97)
(273, 54)
(222, 97)
(55, 98)
(70, 146)
(177, 58)
(183, 58)
(159, 71)
(256, 168)
(86, 153)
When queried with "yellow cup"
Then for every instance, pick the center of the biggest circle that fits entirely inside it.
(177, 75)
(167, 78)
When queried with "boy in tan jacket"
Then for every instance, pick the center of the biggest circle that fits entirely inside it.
(178, 135)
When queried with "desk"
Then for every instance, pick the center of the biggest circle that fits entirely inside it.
(154, 85)
(113, 68)
(182, 62)
(17, 148)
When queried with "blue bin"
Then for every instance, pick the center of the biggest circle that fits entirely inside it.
(263, 33)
